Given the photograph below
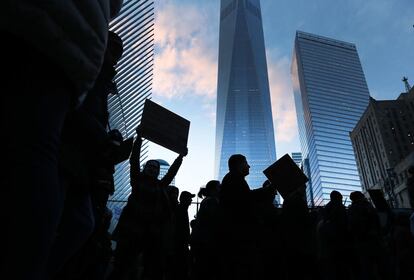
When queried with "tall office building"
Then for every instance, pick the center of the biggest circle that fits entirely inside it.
(244, 118)
(135, 25)
(331, 95)
(297, 158)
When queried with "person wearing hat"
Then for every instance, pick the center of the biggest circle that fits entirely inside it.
(186, 197)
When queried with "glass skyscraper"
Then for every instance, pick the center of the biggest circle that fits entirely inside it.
(331, 95)
(244, 118)
(297, 158)
(135, 25)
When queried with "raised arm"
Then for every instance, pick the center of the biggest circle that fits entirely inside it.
(172, 171)
(134, 160)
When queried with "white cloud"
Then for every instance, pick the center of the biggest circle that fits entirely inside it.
(283, 106)
(185, 64)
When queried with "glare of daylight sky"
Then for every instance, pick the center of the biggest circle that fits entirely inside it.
(186, 53)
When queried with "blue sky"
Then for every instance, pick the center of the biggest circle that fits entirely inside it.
(185, 71)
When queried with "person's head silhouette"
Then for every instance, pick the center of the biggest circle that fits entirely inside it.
(336, 197)
(186, 198)
(357, 196)
(152, 168)
(212, 187)
(173, 193)
(238, 165)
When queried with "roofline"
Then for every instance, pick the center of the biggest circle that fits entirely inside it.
(326, 40)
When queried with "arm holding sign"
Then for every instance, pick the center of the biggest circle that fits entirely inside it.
(260, 194)
(134, 159)
(172, 171)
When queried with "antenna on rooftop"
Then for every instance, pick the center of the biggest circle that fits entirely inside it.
(407, 85)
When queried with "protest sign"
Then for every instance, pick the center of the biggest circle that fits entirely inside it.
(285, 175)
(164, 127)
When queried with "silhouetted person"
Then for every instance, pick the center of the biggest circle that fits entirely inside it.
(402, 247)
(366, 238)
(87, 163)
(52, 54)
(171, 263)
(335, 210)
(146, 219)
(102, 165)
(173, 193)
(239, 258)
(204, 236)
(269, 237)
(92, 261)
(98, 251)
(333, 239)
(296, 238)
(182, 237)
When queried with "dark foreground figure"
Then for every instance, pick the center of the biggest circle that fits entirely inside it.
(52, 55)
(145, 228)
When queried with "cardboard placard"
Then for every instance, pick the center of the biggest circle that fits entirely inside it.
(378, 199)
(285, 175)
(164, 127)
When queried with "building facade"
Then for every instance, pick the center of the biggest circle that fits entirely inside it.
(383, 141)
(244, 122)
(398, 183)
(330, 95)
(297, 158)
(135, 25)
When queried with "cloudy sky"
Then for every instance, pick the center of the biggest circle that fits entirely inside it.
(185, 72)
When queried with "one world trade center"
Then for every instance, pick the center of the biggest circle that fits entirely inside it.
(244, 117)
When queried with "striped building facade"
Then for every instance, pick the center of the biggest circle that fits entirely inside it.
(135, 25)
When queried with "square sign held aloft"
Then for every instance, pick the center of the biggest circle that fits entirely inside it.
(164, 127)
(285, 175)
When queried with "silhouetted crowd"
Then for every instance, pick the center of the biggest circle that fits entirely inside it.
(59, 159)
